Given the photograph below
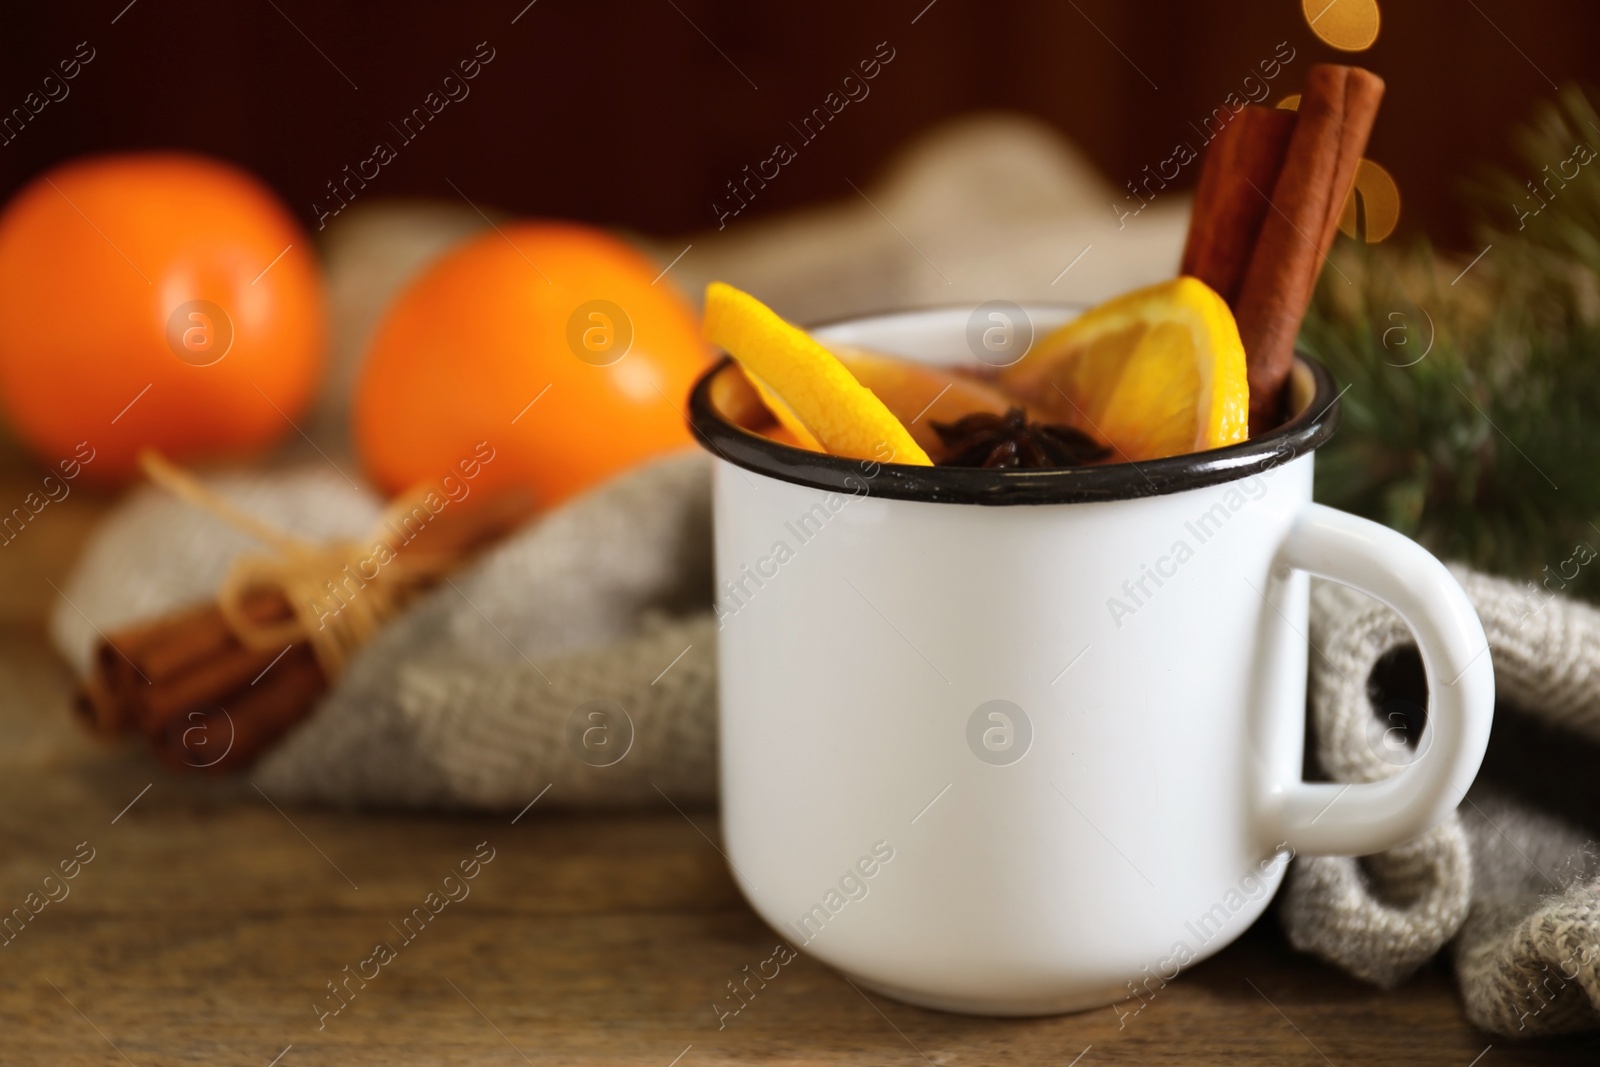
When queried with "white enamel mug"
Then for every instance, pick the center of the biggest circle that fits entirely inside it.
(1018, 742)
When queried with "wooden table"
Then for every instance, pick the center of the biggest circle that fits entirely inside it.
(208, 925)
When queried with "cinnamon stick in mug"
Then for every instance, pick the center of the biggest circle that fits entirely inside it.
(1240, 170)
(1335, 117)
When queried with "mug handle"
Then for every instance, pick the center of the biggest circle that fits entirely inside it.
(1334, 819)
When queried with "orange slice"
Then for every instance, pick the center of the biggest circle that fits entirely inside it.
(1155, 372)
(920, 395)
(807, 388)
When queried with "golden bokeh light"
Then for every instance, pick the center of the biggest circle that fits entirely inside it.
(1290, 102)
(1348, 25)
(1372, 210)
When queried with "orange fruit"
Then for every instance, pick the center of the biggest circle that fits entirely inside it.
(546, 342)
(920, 394)
(916, 394)
(1156, 372)
(810, 392)
(154, 299)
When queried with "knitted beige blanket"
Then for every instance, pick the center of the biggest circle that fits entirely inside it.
(1511, 882)
(585, 638)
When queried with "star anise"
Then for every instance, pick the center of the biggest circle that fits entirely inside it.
(984, 439)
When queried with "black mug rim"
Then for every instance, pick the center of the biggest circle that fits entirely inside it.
(1306, 430)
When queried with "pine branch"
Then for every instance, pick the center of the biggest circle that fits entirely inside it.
(1471, 418)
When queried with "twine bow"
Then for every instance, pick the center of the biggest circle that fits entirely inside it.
(336, 605)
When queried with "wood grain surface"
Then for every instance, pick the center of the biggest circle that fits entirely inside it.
(209, 923)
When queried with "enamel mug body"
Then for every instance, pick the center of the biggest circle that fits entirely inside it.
(1022, 742)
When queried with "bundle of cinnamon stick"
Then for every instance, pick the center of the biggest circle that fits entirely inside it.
(212, 687)
(203, 698)
(1272, 187)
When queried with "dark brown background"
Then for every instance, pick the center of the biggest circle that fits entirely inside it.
(623, 113)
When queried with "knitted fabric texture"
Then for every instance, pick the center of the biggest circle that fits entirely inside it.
(1515, 888)
(484, 693)
(579, 655)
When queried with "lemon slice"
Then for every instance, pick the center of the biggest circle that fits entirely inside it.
(1155, 372)
(811, 393)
